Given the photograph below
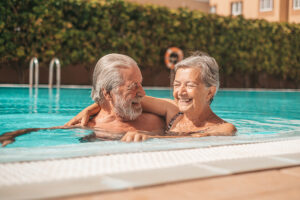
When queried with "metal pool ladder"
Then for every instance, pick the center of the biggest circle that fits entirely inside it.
(57, 64)
(34, 63)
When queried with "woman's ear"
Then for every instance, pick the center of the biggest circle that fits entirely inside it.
(211, 93)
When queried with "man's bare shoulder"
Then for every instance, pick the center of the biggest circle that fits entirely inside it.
(151, 116)
(152, 121)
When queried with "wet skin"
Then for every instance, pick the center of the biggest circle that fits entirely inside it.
(132, 93)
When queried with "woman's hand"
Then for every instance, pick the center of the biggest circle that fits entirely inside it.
(134, 136)
(83, 117)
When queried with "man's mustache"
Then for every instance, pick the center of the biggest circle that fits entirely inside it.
(137, 100)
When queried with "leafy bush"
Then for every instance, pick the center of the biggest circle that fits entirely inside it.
(80, 32)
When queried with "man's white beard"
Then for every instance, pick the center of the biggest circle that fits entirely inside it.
(125, 109)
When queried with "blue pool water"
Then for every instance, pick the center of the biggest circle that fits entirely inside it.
(258, 115)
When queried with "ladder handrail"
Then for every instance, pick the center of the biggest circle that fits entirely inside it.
(34, 63)
(57, 64)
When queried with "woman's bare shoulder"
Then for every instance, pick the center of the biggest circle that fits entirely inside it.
(229, 128)
(224, 128)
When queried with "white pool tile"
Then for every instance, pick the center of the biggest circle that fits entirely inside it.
(248, 164)
(293, 158)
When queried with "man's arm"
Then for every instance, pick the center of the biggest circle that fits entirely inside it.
(9, 137)
(84, 116)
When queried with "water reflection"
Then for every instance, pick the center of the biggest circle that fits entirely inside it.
(54, 100)
(53, 103)
(33, 99)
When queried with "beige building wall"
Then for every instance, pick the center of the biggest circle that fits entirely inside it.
(250, 8)
(293, 15)
(282, 10)
(202, 5)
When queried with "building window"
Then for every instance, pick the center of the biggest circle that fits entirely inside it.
(296, 5)
(236, 8)
(266, 5)
(213, 9)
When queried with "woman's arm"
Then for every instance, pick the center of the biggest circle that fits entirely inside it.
(162, 107)
(84, 116)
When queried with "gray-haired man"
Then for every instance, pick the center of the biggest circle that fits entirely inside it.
(118, 91)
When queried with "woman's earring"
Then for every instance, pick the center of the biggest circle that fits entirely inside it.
(211, 100)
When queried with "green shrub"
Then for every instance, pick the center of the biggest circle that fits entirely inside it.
(80, 32)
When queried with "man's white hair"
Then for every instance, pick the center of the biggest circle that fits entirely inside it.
(107, 74)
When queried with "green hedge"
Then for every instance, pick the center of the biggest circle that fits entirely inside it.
(80, 32)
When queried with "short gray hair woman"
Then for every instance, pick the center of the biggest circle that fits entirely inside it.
(208, 66)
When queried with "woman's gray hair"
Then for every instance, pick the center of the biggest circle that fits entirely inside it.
(208, 66)
(107, 74)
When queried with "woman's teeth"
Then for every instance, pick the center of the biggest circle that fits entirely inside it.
(185, 100)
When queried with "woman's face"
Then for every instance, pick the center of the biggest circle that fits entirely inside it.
(190, 93)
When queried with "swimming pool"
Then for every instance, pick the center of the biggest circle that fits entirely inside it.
(258, 115)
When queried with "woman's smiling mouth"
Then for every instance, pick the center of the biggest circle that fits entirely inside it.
(184, 101)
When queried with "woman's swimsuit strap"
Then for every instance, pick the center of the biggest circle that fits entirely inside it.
(173, 120)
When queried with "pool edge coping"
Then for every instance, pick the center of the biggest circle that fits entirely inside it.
(141, 178)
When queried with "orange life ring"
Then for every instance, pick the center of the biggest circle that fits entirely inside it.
(172, 56)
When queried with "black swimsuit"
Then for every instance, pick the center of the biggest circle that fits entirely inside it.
(168, 132)
(172, 121)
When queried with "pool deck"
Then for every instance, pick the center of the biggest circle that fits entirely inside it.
(275, 184)
(256, 170)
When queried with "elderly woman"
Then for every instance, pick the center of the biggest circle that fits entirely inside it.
(195, 85)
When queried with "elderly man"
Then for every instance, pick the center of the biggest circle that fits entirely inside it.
(118, 91)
